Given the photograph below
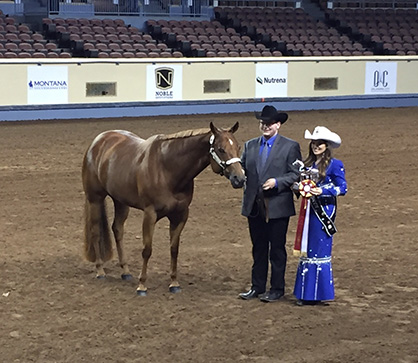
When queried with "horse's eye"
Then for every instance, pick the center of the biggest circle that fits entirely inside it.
(222, 151)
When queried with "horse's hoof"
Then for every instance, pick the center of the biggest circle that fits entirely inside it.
(126, 277)
(141, 292)
(100, 277)
(175, 289)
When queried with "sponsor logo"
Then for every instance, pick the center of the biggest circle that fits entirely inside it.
(380, 78)
(52, 85)
(164, 78)
(270, 80)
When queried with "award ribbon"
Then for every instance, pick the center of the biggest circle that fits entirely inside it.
(301, 239)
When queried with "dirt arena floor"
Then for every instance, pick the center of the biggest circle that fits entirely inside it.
(53, 309)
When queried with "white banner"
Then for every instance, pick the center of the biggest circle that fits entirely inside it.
(271, 80)
(164, 82)
(47, 85)
(380, 77)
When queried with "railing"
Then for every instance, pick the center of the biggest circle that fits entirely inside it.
(12, 7)
(193, 8)
(259, 3)
(132, 7)
(395, 4)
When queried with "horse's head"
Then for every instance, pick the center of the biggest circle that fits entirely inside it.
(225, 155)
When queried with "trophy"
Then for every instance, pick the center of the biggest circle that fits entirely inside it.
(307, 180)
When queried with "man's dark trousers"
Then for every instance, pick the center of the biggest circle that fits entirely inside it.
(269, 239)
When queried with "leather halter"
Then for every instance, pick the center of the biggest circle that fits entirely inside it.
(222, 164)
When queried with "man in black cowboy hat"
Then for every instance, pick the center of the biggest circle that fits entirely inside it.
(268, 202)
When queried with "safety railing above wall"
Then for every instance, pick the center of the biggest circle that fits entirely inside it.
(259, 3)
(395, 4)
(131, 7)
(194, 8)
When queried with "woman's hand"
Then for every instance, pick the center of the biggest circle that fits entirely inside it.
(316, 191)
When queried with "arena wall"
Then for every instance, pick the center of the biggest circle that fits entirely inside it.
(83, 88)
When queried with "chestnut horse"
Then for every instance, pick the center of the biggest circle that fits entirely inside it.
(154, 175)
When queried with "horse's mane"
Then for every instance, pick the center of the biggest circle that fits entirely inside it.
(184, 134)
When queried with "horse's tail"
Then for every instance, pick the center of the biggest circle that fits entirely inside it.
(90, 233)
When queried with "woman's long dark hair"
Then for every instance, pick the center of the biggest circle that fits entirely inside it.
(323, 163)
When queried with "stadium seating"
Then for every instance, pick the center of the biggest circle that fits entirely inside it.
(19, 41)
(234, 32)
(385, 31)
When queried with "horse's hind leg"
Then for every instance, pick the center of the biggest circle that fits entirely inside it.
(121, 214)
(98, 247)
(177, 224)
(148, 227)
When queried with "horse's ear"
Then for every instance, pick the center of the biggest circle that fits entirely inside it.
(234, 128)
(213, 128)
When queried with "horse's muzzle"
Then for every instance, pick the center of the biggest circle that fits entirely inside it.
(237, 181)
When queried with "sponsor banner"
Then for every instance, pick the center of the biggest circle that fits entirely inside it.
(47, 85)
(271, 80)
(164, 82)
(380, 77)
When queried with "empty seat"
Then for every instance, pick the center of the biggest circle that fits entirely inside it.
(39, 38)
(141, 55)
(12, 37)
(113, 38)
(115, 54)
(51, 46)
(24, 29)
(110, 30)
(11, 29)
(24, 55)
(177, 54)
(96, 22)
(101, 46)
(84, 22)
(11, 46)
(25, 46)
(122, 30)
(128, 55)
(9, 54)
(38, 55)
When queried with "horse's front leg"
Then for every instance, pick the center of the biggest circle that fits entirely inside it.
(177, 224)
(121, 214)
(148, 227)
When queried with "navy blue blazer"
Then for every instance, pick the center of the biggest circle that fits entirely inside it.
(279, 165)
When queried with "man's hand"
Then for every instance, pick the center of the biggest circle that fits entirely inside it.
(269, 184)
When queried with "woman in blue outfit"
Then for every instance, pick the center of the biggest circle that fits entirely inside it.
(314, 280)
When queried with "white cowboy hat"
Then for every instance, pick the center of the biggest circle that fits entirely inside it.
(322, 133)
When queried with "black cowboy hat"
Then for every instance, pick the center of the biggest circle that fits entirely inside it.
(270, 115)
